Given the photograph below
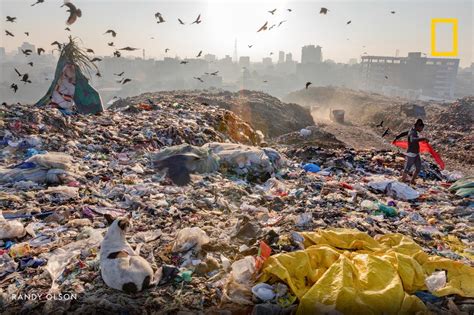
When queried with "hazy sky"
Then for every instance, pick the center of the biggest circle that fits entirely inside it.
(224, 21)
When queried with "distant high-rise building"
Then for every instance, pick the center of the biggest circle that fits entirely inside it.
(244, 61)
(281, 56)
(210, 57)
(26, 46)
(267, 61)
(311, 54)
(289, 57)
(2, 52)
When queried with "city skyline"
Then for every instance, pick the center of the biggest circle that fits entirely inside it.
(223, 22)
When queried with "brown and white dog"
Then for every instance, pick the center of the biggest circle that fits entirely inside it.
(121, 267)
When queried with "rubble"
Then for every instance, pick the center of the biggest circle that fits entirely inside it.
(240, 223)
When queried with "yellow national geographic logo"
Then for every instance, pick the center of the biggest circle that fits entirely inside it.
(454, 51)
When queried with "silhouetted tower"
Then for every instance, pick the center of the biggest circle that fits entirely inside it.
(236, 57)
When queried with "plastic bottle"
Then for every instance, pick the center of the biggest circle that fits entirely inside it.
(388, 211)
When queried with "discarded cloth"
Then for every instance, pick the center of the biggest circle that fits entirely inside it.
(353, 273)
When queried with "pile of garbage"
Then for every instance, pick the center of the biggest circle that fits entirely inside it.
(80, 194)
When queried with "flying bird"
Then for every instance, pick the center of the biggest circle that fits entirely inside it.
(199, 55)
(178, 167)
(30, 63)
(56, 43)
(198, 20)
(214, 73)
(11, 19)
(111, 44)
(74, 12)
(126, 81)
(393, 12)
(67, 29)
(112, 32)
(159, 17)
(271, 53)
(264, 27)
(180, 22)
(166, 50)
(289, 10)
(281, 22)
(348, 22)
(128, 48)
(323, 11)
(14, 87)
(272, 11)
(199, 79)
(25, 78)
(273, 25)
(380, 125)
(183, 62)
(386, 132)
(386, 77)
(119, 74)
(9, 33)
(98, 74)
(27, 52)
(89, 50)
(265, 81)
(117, 54)
(308, 84)
(40, 50)
(17, 72)
(27, 33)
(95, 59)
(250, 46)
(37, 2)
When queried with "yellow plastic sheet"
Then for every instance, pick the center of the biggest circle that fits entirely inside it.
(353, 273)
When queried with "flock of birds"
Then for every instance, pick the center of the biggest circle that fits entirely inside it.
(75, 13)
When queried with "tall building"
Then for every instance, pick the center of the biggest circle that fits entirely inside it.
(210, 57)
(311, 54)
(281, 56)
(2, 52)
(435, 77)
(289, 57)
(244, 61)
(26, 46)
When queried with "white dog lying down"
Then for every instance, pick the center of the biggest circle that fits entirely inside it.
(121, 267)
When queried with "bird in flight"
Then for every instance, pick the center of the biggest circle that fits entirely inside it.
(183, 62)
(386, 77)
(159, 17)
(56, 43)
(180, 22)
(380, 125)
(386, 132)
(199, 55)
(166, 50)
(128, 48)
(308, 84)
(281, 22)
(38, 2)
(198, 20)
(272, 11)
(26, 52)
(40, 50)
(111, 44)
(27, 33)
(263, 28)
(111, 32)
(74, 12)
(30, 63)
(14, 87)
(250, 46)
(199, 79)
(98, 74)
(348, 22)
(393, 12)
(25, 77)
(119, 74)
(89, 50)
(117, 54)
(215, 73)
(11, 19)
(273, 25)
(9, 33)
(95, 59)
(67, 29)
(125, 81)
(323, 11)
(289, 10)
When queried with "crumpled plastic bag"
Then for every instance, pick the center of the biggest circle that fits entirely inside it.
(356, 273)
(57, 262)
(52, 160)
(189, 238)
(394, 189)
(10, 229)
(238, 287)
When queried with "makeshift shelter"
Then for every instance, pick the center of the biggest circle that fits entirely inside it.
(70, 89)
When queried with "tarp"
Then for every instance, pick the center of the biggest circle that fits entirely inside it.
(86, 98)
(425, 147)
(351, 272)
(464, 187)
